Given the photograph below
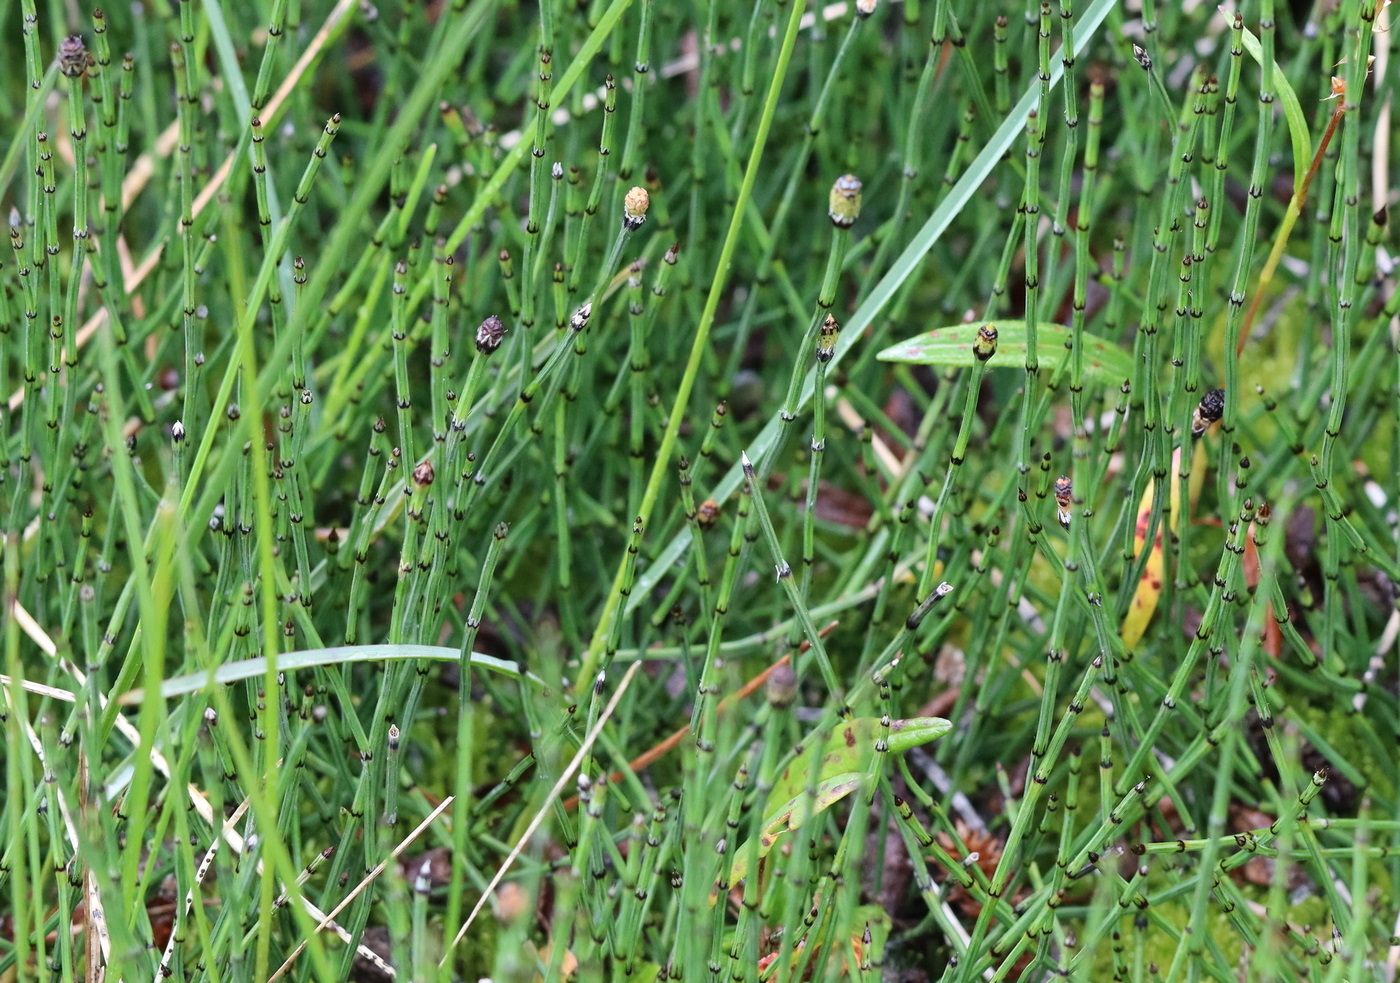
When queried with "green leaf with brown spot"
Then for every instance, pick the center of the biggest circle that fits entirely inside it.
(789, 817)
(952, 345)
(849, 749)
(844, 766)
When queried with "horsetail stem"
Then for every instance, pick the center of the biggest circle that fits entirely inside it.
(826, 347)
(784, 576)
(574, 263)
(843, 208)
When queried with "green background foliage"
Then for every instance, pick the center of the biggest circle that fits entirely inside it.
(352, 634)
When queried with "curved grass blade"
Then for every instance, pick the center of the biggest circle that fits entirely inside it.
(251, 668)
(1292, 111)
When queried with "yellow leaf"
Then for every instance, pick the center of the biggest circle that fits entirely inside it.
(1149, 587)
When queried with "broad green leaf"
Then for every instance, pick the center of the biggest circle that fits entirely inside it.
(791, 816)
(952, 345)
(644, 972)
(844, 766)
(849, 749)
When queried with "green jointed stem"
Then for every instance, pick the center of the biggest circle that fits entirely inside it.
(613, 605)
(882, 293)
(784, 575)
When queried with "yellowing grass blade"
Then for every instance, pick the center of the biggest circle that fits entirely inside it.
(1149, 587)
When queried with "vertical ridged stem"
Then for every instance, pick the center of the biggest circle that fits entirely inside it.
(1346, 245)
(124, 112)
(610, 264)
(364, 497)
(1082, 261)
(784, 576)
(296, 419)
(575, 263)
(464, 751)
(638, 364)
(8, 343)
(399, 321)
(817, 448)
(275, 27)
(441, 351)
(702, 721)
(1069, 153)
(47, 234)
(999, 66)
(33, 207)
(634, 549)
(704, 107)
(403, 626)
(361, 537)
(83, 244)
(563, 533)
(29, 18)
(1035, 146)
(193, 331)
(30, 344)
(277, 246)
(1258, 182)
(640, 68)
(432, 221)
(1030, 207)
(697, 538)
(30, 267)
(1343, 257)
(573, 214)
(457, 426)
(545, 234)
(508, 277)
(1216, 180)
(955, 462)
(258, 154)
(959, 153)
(748, 77)
(826, 297)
